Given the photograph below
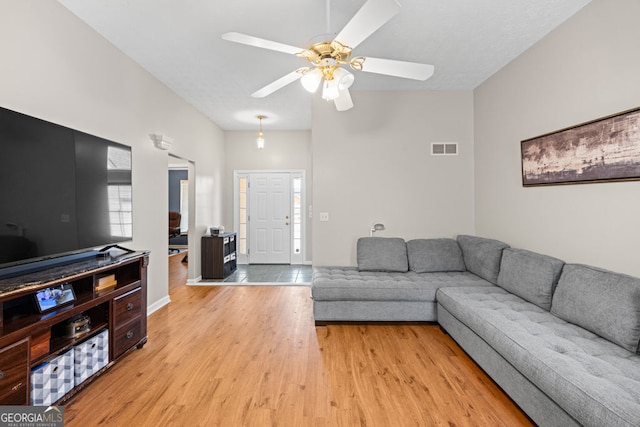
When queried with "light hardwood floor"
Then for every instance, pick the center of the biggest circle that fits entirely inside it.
(251, 356)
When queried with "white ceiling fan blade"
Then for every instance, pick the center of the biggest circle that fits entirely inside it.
(390, 67)
(343, 102)
(262, 43)
(371, 16)
(279, 84)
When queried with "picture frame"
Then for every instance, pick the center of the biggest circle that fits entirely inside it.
(50, 298)
(602, 150)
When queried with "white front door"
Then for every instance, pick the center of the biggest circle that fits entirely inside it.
(269, 220)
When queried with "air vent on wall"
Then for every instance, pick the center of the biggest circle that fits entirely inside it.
(444, 148)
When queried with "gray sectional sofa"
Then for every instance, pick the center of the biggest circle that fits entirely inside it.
(563, 340)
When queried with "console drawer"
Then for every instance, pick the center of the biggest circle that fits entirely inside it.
(127, 307)
(127, 336)
(14, 373)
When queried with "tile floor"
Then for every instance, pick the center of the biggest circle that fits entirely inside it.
(270, 273)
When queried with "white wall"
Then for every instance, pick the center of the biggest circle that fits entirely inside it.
(373, 164)
(587, 68)
(56, 68)
(284, 150)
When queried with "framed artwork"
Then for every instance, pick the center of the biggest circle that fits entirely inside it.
(603, 150)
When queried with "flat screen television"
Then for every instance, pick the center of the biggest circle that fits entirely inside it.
(62, 191)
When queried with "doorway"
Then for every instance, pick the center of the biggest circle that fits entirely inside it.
(269, 217)
(182, 199)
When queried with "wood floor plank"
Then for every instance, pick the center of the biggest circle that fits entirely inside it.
(251, 356)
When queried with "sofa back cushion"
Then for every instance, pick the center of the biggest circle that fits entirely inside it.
(529, 275)
(434, 255)
(482, 256)
(601, 301)
(382, 254)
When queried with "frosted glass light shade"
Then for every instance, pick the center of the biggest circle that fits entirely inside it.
(330, 90)
(311, 80)
(344, 78)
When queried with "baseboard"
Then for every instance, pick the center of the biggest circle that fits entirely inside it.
(158, 305)
(194, 282)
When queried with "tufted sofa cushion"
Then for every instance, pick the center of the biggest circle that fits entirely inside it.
(350, 284)
(482, 256)
(530, 275)
(382, 254)
(433, 255)
(594, 380)
(601, 301)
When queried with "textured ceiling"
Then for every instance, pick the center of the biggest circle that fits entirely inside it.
(178, 41)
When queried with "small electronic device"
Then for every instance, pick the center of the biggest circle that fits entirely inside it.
(78, 325)
(57, 296)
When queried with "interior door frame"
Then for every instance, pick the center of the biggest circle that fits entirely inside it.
(295, 258)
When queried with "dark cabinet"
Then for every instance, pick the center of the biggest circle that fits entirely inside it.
(110, 301)
(218, 256)
(14, 373)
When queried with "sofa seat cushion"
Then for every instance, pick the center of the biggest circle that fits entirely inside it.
(350, 284)
(434, 255)
(594, 380)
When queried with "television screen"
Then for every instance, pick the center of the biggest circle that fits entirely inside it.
(62, 191)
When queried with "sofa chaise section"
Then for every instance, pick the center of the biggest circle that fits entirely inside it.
(397, 280)
(348, 294)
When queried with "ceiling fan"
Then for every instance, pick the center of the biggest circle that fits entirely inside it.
(327, 58)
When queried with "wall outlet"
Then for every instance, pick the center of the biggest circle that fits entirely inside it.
(324, 216)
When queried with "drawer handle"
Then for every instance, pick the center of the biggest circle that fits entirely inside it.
(1, 375)
(130, 335)
(129, 307)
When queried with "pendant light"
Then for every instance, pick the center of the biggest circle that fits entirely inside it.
(260, 140)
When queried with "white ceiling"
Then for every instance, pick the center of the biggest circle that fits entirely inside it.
(178, 41)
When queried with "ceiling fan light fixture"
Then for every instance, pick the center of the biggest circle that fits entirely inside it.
(345, 79)
(311, 80)
(327, 58)
(330, 90)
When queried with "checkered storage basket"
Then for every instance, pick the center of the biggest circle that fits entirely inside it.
(52, 379)
(91, 356)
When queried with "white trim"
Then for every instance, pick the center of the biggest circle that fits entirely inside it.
(240, 258)
(299, 257)
(158, 305)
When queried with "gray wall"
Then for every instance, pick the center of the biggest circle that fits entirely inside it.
(373, 164)
(175, 176)
(283, 150)
(56, 68)
(587, 68)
